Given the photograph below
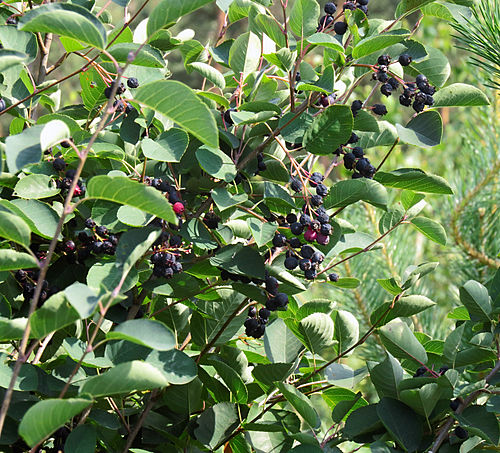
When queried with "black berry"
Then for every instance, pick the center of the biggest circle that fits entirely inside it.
(379, 109)
(340, 28)
(330, 8)
(405, 59)
(291, 263)
(454, 404)
(420, 372)
(461, 433)
(384, 60)
(132, 82)
(333, 277)
(59, 164)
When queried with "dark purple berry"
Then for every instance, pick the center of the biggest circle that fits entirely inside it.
(384, 60)
(296, 228)
(101, 231)
(454, 404)
(340, 28)
(89, 223)
(279, 240)
(421, 79)
(386, 89)
(69, 247)
(330, 8)
(405, 59)
(461, 433)
(333, 277)
(349, 160)
(405, 101)
(418, 106)
(379, 109)
(59, 164)
(420, 372)
(296, 185)
(291, 263)
(252, 311)
(132, 82)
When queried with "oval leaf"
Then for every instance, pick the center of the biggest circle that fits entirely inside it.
(425, 130)
(146, 332)
(431, 229)
(460, 94)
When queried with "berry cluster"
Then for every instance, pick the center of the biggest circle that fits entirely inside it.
(417, 95)
(354, 157)
(120, 105)
(255, 325)
(28, 278)
(165, 264)
(65, 183)
(357, 4)
(100, 242)
(173, 196)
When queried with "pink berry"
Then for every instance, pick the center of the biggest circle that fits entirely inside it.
(178, 207)
(310, 235)
(321, 239)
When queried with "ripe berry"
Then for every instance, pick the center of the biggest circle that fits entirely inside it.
(324, 22)
(386, 89)
(403, 100)
(295, 243)
(251, 323)
(356, 105)
(418, 106)
(429, 100)
(326, 229)
(322, 239)
(443, 369)
(264, 313)
(362, 165)
(310, 274)
(363, 8)
(21, 275)
(101, 231)
(317, 257)
(405, 59)
(421, 79)
(296, 185)
(461, 433)
(382, 77)
(252, 311)
(227, 117)
(363, 2)
(349, 160)
(59, 164)
(69, 247)
(291, 218)
(306, 251)
(330, 8)
(279, 240)
(358, 152)
(316, 200)
(89, 223)
(349, 5)
(97, 247)
(420, 372)
(271, 285)
(262, 166)
(304, 219)
(354, 139)
(296, 228)
(178, 207)
(281, 299)
(297, 77)
(384, 60)
(333, 277)
(340, 28)
(70, 174)
(323, 218)
(454, 404)
(379, 109)
(2, 105)
(321, 190)
(132, 82)
(211, 220)
(291, 263)
(393, 83)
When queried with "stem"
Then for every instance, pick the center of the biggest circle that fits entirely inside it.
(388, 154)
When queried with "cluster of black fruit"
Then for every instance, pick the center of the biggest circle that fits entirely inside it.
(173, 196)
(417, 95)
(27, 278)
(100, 242)
(120, 105)
(378, 109)
(165, 264)
(256, 325)
(354, 158)
(65, 183)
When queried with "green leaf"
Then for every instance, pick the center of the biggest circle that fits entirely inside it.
(15, 229)
(168, 147)
(65, 19)
(146, 332)
(179, 103)
(346, 329)
(262, 232)
(422, 400)
(147, 56)
(26, 380)
(304, 17)
(244, 55)
(316, 332)
(210, 73)
(168, 11)
(216, 163)
(231, 378)
(407, 6)
(476, 299)
(270, 373)
(270, 27)
(120, 189)
(301, 404)
(349, 191)
(452, 344)
(240, 260)
(378, 42)
(36, 186)
(105, 277)
(414, 179)
(81, 439)
(401, 342)
(431, 229)
(425, 130)
(277, 194)
(11, 58)
(325, 40)
(53, 315)
(43, 418)
(82, 298)
(386, 377)
(12, 329)
(460, 95)
(216, 423)
(224, 200)
(176, 365)
(410, 199)
(280, 344)
(403, 308)
(53, 132)
(125, 377)
(23, 149)
(10, 260)
(390, 285)
(401, 422)
(345, 406)
(362, 422)
(21, 41)
(329, 130)
(477, 420)
(436, 66)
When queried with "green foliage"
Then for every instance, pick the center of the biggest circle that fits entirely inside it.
(153, 296)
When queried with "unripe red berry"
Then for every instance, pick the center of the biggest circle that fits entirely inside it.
(178, 207)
